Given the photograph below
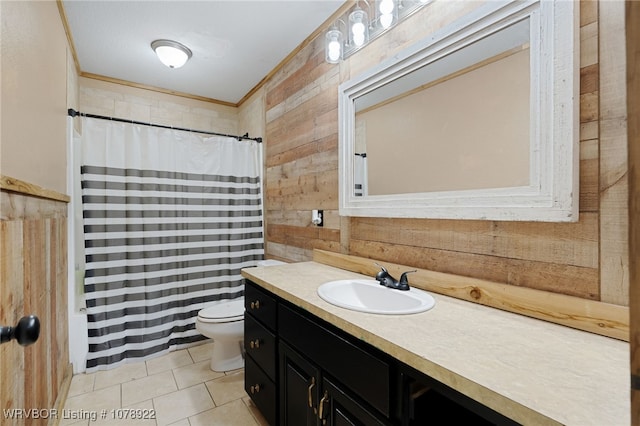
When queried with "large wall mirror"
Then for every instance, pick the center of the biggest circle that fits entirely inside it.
(478, 121)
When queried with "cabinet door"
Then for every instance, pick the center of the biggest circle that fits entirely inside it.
(336, 408)
(359, 368)
(299, 383)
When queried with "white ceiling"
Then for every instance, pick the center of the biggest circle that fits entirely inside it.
(235, 43)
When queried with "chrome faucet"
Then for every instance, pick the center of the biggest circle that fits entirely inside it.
(387, 280)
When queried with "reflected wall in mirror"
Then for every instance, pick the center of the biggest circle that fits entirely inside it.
(479, 121)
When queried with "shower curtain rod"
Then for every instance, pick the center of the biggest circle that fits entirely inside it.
(74, 113)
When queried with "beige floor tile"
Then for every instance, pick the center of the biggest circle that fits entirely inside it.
(184, 403)
(81, 383)
(255, 412)
(202, 352)
(234, 413)
(182, 393)
(66, 421)
(183, 422)
(91, 405)
(169, 361)
(148, 387)
(118, 375)
(227, 388)
(194, 374)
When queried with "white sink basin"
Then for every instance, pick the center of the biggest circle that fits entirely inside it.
(369, 296)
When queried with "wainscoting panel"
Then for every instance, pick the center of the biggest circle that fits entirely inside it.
(33, 280)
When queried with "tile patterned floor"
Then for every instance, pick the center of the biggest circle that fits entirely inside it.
(179, 388)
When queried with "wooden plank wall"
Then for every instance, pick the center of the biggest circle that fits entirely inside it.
(33, 280)
(613, 178)
(301, 175)
(633, 101)
(301, 157)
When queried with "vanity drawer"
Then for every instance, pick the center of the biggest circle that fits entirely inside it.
(365, 373)
(260, 344)
(261, 390)
(260, 304)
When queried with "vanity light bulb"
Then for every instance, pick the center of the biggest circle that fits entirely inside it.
(386, 20)
(386, 7)
(358, 22)
(333, 46)
(358, 33)
(334, 50)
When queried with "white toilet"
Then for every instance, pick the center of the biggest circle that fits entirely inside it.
(224, 323)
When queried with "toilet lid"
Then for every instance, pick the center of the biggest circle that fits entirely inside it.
(223, 312)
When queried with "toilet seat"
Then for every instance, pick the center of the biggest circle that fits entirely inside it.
(223, 312)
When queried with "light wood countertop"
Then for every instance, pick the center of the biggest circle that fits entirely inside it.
(532, 371)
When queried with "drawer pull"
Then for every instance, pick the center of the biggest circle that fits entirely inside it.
(311, 386)
(254, 388)
(255, 305)
(254, 344)
(321, 410)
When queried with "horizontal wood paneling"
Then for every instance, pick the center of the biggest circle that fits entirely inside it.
(555, 257)
(589, 89)
(572, 244)
(302, 156)
(557, 278)
(33, 280)
(313, 119)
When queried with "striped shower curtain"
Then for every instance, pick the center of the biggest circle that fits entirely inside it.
(170, 219)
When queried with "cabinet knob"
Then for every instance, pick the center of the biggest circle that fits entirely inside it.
(254, 388)
(255, 305)
(254, 344)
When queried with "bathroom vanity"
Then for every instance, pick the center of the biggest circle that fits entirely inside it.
(312, 363)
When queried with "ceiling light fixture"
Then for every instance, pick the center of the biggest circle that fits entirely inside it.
(171, 53)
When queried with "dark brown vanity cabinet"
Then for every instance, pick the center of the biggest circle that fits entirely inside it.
(261, 349)
(427, 401)
(336, 382)
(300, 372)
(303, 371)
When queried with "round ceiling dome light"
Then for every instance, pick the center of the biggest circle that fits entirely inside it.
(171, 53)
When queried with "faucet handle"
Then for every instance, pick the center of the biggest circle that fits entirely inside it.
(403, 278)
(380, 276)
